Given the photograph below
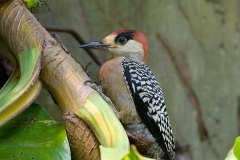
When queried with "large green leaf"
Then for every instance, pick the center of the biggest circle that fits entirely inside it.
(33, 135)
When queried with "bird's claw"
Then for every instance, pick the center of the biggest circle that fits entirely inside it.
(86, 69)
(87, 81)
(93, 85)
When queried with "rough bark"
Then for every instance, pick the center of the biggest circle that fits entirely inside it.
(21, 31)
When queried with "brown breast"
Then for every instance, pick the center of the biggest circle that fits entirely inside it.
(114, 86)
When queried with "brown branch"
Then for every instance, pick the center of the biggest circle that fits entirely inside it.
(56, 66)
(89, 150)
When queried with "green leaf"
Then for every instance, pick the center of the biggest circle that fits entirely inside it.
(112, 153)
(31, 3)
(104, 123)
(36, 6)
(230, 155)
(20, 84)
(236, 148)
(108, 130)
(33, 135)
(234, 153)
(119, 154)
(29, 67)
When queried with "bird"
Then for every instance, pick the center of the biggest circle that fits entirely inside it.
(131, 85)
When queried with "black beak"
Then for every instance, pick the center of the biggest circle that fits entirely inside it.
(97, 45)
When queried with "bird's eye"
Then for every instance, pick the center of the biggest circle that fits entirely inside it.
(122, 40)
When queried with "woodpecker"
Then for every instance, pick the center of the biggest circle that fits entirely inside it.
(132, 86)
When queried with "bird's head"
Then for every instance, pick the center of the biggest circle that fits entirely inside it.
(126, 43)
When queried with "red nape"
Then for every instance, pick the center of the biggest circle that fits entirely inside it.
(140, 37)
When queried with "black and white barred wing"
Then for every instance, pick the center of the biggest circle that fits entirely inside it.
(149, 102)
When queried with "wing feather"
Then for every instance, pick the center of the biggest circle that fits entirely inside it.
(149, 102)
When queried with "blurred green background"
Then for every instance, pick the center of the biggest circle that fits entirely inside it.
(194, 53)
